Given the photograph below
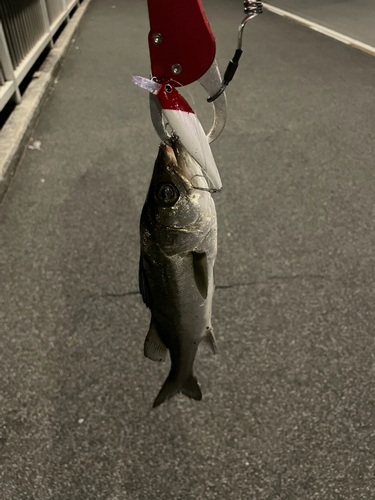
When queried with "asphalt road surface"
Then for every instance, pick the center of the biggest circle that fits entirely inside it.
(351, 18)
(288, 405)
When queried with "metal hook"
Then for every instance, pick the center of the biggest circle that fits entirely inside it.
(252, 9)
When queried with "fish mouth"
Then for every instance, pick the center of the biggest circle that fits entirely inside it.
(188, 169)
(172, 151)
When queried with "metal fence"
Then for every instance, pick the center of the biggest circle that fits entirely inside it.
(26, 28)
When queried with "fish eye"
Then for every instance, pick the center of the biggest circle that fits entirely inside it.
(168, 193)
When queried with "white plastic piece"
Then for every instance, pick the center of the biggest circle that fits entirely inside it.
(146, 84)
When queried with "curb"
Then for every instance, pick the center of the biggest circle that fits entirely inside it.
(16, 132)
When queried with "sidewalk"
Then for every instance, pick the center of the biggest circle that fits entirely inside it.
(287, 409)
(15, 131)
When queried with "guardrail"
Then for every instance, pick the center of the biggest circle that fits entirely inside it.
(26, 28)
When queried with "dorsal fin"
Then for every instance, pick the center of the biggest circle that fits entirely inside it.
(154, 347)
(201, 272)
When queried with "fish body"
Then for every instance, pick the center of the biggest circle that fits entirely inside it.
(178, 249)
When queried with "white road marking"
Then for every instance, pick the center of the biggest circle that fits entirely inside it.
(322, 29)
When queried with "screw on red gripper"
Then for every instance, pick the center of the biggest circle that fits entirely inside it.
(182, 45)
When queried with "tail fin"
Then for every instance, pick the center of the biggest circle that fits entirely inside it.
(191, 388)
(172, 386)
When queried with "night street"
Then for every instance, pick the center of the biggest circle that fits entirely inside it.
(288, 408)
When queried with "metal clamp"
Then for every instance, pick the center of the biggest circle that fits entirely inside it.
(252, 9)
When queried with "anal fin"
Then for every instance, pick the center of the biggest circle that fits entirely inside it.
(154, 348)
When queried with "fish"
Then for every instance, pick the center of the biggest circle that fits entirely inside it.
(178, 233)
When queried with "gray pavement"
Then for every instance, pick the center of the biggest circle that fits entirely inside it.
(351, 18)
(288, 404)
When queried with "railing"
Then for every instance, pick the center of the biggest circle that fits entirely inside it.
(26, 28)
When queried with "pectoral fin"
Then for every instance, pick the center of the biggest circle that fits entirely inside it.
(154, 347)
(201, 272)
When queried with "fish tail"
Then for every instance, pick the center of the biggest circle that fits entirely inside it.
(191, 388)
(172, 386)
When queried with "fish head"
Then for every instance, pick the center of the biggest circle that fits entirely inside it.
(179, 196)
